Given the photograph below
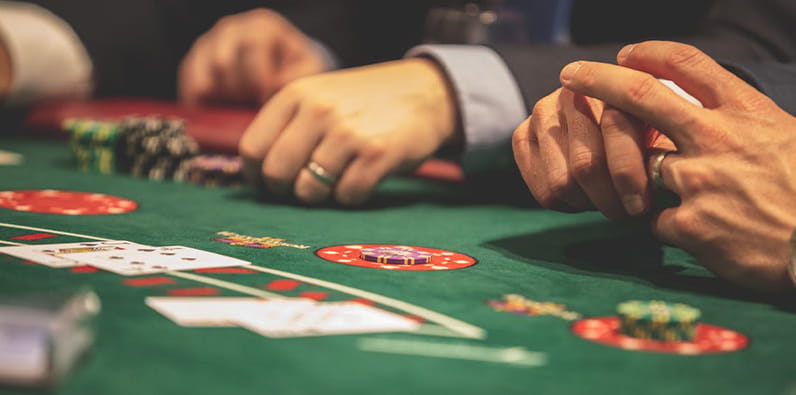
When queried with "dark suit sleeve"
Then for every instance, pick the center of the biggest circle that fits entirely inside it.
(775, 80)
(731, 29)
(136, 46)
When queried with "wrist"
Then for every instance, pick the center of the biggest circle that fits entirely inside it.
(5, 70)
(442, 101)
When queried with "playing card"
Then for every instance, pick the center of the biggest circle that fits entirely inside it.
(201, 311)
(148, 260)
(325, 318)
(62, 255)
(276, 317)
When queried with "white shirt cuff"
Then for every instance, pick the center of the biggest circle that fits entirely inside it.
(48, 60)
(490, 101)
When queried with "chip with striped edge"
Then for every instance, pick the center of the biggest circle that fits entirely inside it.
(378, 257)
(708, 339)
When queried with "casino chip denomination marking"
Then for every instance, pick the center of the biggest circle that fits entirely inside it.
(396, 257)
(65, 202)
(708, 339)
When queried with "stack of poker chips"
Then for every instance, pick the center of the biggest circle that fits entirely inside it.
(657, 320)
(94, 144)
(396, 255)
(211, 171)
(154, 147)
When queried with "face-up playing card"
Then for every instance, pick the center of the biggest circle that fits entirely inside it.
(61, 255)
(202, 311)
(290, 319)
(148, 260)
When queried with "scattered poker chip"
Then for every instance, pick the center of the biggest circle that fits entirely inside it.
(65, 202)
(708, 339)
(439, 260)
(658, 320)
(520, 305)
(211, 170)
(397, 255)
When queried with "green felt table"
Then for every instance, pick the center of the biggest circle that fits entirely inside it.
(583, 261)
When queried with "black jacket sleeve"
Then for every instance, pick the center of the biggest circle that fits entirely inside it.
(726, 29)
(136, 46)
(775, 80)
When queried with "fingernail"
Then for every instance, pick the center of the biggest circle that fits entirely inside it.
(624, 53)
(569, 71)
(634, 204)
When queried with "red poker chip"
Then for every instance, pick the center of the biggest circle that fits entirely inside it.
(65, 202)
(709, 339)
(440, 259)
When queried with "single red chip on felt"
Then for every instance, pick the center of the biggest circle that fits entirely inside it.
(33, 236)
(200, 291)
(314, 295)
(65, 202)
(351, 254)
(233, 270)
(148, 281)
(283, 285)
(83, 269)
(709, 339)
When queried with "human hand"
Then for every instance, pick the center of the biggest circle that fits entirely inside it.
(577, 154)
(246, 58)
(735, 164)
(360, 125)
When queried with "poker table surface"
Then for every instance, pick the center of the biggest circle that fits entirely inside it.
(583, 261)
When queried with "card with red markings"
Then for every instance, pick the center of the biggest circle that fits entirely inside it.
(284, 317)
(62, 255)
(138, 260)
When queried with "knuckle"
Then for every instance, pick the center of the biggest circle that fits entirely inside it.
(625, 175)
(343, 134)
(264, 14)
(585, 164)
(615, 122)
(559, 186)
(641, 89)
(686, 225)
(693, 178)
(374, 149)
(685, 56)
(521, 135)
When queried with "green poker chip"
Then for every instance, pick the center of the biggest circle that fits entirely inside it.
(658, 320)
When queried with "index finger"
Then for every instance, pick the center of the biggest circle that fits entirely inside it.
(640, 94)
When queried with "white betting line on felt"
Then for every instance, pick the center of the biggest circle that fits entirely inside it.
(460, 327)
(508, 355)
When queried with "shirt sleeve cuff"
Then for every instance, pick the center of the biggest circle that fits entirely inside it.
(490, 101)
(330, 61)
(48, 60)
